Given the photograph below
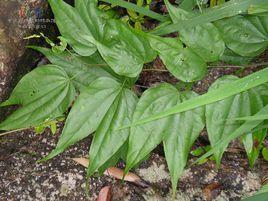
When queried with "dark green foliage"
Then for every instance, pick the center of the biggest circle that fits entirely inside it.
(106, 59)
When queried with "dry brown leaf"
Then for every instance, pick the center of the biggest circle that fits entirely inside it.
(116, 173)
(212, 190)
(81, 161)
(105, 194)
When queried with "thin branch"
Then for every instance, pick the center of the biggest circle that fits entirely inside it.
(13, 131)
(234, 66)
(154, 70)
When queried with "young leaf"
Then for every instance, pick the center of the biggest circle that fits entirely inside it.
(107, 140)
(184, 129)
(124, 49)
(45, 93)
(144, 138)
(242, 36)
(253, 145)
(182, 62)
(244, 104)
(87, 112)
(265, 153)
(205, 40)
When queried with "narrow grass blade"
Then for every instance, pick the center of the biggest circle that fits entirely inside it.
(227, 9)
(221, 93)
(243, 129)
(251, 118)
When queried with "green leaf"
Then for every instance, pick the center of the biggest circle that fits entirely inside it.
(178, 132)
(92, 17)
(261, 23)
(263, 91)
(184, 128)
(107, 140)
(258, 197)
(61, 47)
(243, 35)
(218, 127)
(76, 23)
(198, 151)
(244, 128)
(232, 58)
(253, 144)
(205, 40)
(87, 112)
(53, 127)
(182, 62)
(144, 138)
(45, 93)
(84, 70)
(225, 91)
(39, 129)
(188, 5)
(265, 153)
(124, 49)
(251, 118)
(258, 9)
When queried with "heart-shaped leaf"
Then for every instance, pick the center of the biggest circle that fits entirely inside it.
(45, 93)
(205, 40)
(108, 140)
(182, 62)
(184, 130)
(91, 105)
(178, 132)
(84, 70)
(124, 49)
(75, 24)
(244, 35)
(144, 138)
(231, 57)
(87, 29)
(219, 115)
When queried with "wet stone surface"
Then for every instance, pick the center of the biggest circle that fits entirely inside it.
(23, 178)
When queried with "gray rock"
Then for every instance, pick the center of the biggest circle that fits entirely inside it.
(18, 19)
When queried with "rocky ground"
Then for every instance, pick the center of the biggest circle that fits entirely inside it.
(23, 178)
